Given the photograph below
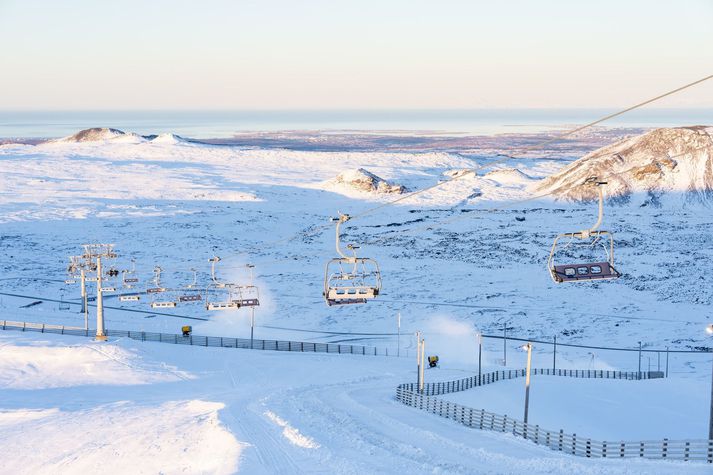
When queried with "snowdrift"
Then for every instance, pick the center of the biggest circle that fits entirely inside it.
(668, 160)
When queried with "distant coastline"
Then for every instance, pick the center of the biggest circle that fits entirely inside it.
(236, 124)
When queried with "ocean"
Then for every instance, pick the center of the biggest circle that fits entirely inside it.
(224, 124)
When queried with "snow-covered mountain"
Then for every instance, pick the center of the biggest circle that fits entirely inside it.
(94, 134)
(677, 161)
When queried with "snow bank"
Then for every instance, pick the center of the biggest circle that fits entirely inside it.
(121, 438)
(39, 366)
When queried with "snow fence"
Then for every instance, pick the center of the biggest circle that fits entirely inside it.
(556, 440)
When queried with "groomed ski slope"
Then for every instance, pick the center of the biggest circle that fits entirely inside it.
(184, 409)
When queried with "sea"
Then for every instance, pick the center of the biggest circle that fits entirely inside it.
(229, 123)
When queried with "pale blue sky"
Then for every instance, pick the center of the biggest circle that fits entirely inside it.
(270, 54)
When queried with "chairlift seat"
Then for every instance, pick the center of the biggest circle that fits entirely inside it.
(155, 290)
(248, 302)
(222, 306)
(129, 298)
(167, 304)
(190, 298)
(583, 272)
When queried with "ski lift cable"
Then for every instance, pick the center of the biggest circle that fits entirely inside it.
(534, 146)
(510, 204)
(318, 228)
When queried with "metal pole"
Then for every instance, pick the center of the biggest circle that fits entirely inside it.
(252, 325)
(554, 355)
(480, 355)
(505, 344)
(638, 375)
(398, 333)
(85, 307)
(667, 361)
(418, 360)
(422, 365)
(100, 302)
(527, 379)
(710, 420)
(658, 361)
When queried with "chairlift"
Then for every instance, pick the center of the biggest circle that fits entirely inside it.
(229, 301)
(157, 282)
(350, 279)
(591, 238)
(191, 297)
(220, 295)
(72, 270)
(249, 295)
(158, 289)
(63, 304)
(128, 277)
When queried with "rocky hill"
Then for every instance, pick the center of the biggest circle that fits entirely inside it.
(363, 180)
(668, 161)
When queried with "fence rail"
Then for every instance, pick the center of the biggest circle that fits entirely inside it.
(200, 340)
(556, 440)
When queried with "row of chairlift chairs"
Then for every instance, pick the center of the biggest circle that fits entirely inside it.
(349, 279)
(217, 295)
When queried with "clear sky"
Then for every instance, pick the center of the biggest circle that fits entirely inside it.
(323, 54)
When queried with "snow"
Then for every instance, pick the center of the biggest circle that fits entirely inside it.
(623, 409)
(263, 412)
(455, 260)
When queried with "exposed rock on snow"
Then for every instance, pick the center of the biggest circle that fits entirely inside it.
(94, 134)
(668, 160)
(363, 180)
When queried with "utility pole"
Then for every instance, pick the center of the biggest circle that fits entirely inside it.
(554, 356)
(638, 376)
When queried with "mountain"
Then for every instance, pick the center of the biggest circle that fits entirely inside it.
(95, 134)
(668, 161)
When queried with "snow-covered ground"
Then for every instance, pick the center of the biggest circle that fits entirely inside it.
(449, 272)
(213, 410)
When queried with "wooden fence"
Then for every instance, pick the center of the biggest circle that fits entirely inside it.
(556, 440)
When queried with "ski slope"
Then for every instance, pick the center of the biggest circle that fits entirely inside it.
(213, 410)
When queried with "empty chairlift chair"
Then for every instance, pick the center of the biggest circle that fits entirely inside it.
(592, 238)
(350, 279)
(220, 295)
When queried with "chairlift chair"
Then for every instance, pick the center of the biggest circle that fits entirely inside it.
(191, 297)
(249, 295)
(128, 277)
(586, 271)
(158, 289)
(228, 300)
(221, 295)
(350, 279)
